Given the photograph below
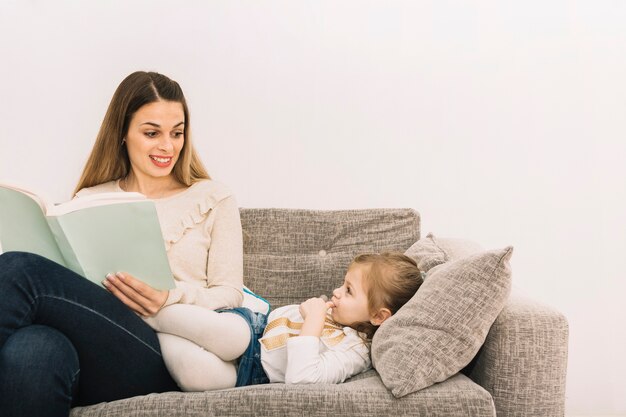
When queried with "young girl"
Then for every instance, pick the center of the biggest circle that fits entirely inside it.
(320, 341)
(328, 341)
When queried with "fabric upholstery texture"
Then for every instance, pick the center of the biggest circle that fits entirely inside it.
(291, 255)
(363, 396)
(438, 332)
(432, 251)
(523, 362)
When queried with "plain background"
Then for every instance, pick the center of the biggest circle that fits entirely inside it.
(499, 121)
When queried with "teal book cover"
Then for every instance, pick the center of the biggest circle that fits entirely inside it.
(92, 236)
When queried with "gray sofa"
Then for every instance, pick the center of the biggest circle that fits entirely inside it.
(290, 255)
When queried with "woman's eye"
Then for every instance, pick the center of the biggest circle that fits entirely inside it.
(151, 134)
(178, 134)
(348, 291)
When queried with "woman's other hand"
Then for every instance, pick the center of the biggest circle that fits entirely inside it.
(137, 295)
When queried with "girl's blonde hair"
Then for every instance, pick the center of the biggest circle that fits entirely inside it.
(390, 279)
(109, 157)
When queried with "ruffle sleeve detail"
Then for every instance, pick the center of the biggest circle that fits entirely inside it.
(206, 198)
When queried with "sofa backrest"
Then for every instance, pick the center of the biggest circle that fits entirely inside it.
(291, 255)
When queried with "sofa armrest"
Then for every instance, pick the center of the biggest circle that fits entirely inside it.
(523, 362)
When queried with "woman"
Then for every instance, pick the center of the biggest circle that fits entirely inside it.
(65, 341)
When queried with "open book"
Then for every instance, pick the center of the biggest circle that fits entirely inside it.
(92, 235)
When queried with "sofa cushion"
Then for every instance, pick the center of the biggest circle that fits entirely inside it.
(432, 251)
(291, 255)
(362, 396)
(443, 326)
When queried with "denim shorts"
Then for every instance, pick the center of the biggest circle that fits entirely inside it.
(250, 370)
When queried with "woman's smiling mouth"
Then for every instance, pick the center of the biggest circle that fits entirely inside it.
(161, 161)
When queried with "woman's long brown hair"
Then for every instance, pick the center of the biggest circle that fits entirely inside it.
(109, 159)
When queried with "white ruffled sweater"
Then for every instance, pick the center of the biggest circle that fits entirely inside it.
(202, 233)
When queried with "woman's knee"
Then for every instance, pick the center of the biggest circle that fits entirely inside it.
(13, 264)
(17, 259)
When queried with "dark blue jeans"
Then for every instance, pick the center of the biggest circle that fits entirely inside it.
(65, 341)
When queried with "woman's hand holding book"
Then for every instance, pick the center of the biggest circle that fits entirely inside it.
(136, 294)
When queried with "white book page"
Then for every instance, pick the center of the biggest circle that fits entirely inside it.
(32, 195)
(94, 200)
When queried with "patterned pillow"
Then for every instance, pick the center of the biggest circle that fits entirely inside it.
(432, 251)
(443, 326)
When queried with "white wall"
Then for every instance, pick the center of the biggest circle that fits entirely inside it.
(501, 121)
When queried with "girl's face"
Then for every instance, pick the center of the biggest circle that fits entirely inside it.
(155, 137)
(350, 300)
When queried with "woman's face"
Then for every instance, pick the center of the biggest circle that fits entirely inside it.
(155, 137)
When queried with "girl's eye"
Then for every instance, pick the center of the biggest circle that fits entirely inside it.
(348, 291)
(151, 134)
(178, 134)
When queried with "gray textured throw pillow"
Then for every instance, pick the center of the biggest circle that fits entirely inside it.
(440, 330)
(432, 251)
